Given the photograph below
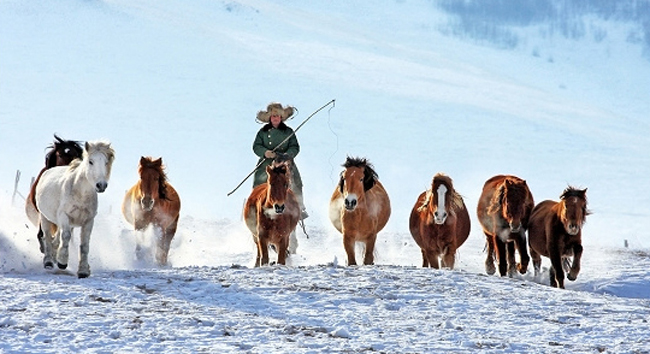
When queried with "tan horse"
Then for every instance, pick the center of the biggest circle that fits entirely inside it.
(152, 201)
(271, 213)
(439, 223)
(359, 208)
(555, 231)
(503, 211)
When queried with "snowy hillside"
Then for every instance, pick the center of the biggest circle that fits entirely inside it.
(555, 92)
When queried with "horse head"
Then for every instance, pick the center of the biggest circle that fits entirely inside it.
(574, 211)
(278, 182)
(98, 159)
(445, 197)
(62, 152)
(357, 178)
(153, 182)
(511, 200)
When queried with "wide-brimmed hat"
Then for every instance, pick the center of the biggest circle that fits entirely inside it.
(275, 108)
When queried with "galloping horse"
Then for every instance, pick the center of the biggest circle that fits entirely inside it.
(61, 153)
(555, 231)
(272, 212)
(503, 210)
(439, 223)
(359, 208)
(152, 201)
(66, 197)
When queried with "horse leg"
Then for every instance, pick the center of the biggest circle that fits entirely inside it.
(501, 255)
(369, 258)
(575, 267)
(84, 248)
(425, 261)
(46, 229)
(162, 250)
(432, 256)
(449, 257)
(557, 275)
(64, 234)
(262, 248)
(552, 280)
(489, 261)
(537, 261)
(522, 267)
(348, 244)
(283, 250)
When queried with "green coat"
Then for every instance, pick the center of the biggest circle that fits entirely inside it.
(267, 139)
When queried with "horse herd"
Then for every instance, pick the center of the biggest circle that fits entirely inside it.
(64, 195)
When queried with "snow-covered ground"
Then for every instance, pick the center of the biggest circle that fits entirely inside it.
(183, 80)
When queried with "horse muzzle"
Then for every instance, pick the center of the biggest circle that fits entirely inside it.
(100, 187)
(515, 228)
(439, 218)
(572, 229)
(350, 203)
(147, 204)
(279, 208)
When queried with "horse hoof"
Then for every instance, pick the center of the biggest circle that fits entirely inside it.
(83, 275)
(48, 265)
(571, 277)
(62, 266)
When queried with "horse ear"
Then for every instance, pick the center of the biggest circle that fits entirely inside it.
(158, 162)
(143, 160)
(341, 183)
(86, 146)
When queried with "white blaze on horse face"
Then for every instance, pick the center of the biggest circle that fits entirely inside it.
(440, 214)
(98, 171)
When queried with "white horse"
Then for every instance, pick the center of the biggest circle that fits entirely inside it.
(66, 197)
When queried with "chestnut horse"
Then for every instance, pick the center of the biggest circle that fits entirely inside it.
(503, 211)
(359, 208)
(61, 153)
(555, 231)
(271, 213)
(152, 201)
(439, 223)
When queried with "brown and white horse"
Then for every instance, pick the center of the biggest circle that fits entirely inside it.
(152, 201)
(61, 153)
(439, 223)
(503, 211)
(271, 213)
(555, 231)
(359, 208)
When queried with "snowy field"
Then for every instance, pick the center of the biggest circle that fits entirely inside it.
(418, 90)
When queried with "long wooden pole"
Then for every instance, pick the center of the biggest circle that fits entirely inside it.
(284, 141)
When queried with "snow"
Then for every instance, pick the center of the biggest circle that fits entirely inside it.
(183, 80)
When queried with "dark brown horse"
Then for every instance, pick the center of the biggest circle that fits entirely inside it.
(271, 213)
(555, 231)
(153, 201)
(61, 153)
(359, 208)
(503, 211)
(439, 223)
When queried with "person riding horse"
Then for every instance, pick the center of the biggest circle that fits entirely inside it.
(276, 139)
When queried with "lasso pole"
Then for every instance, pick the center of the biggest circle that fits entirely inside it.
(332, 102)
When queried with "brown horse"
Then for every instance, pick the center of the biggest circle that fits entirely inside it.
(555, 231)
(439, 223)
(61, 153)
(153, 201)
(272, 212)
(359, 208)
(503, 211)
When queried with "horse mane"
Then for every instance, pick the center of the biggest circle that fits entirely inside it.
(441, 178)
(50, 159)
(518, 192)
(369, 174)
(571, 191)
(148, 162)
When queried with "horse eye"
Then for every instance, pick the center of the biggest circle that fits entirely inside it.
(91, 162)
